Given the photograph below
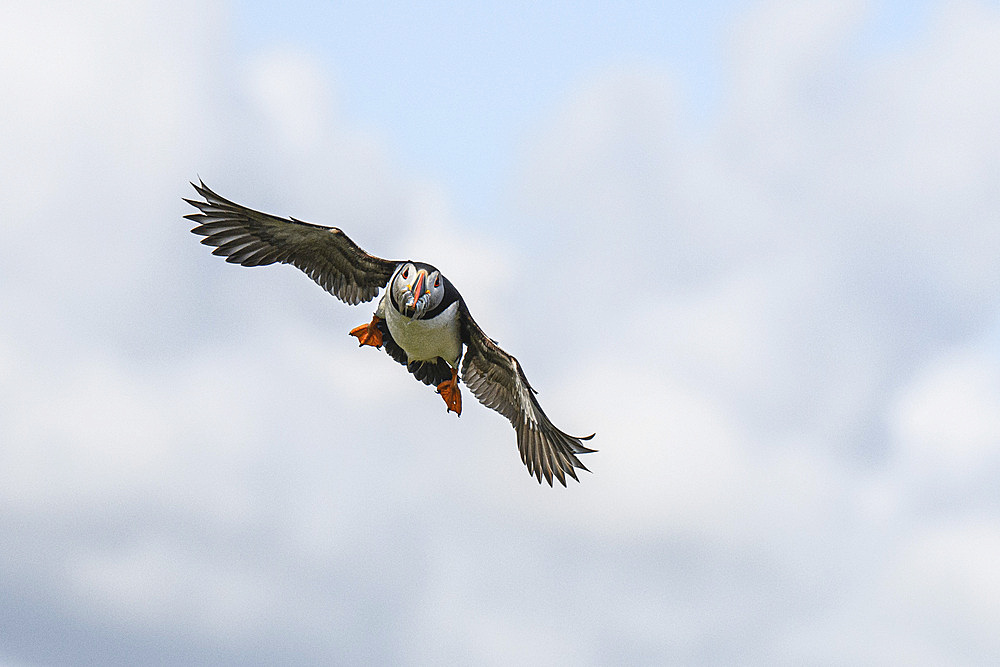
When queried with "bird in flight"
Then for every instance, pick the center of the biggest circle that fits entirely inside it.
(421, 321)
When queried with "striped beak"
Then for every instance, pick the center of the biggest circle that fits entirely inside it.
(418, 287)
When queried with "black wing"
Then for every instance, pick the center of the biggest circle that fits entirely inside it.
(496, 379)
(325, 254)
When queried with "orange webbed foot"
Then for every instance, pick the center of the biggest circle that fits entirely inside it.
(368, 334)
(450, 393)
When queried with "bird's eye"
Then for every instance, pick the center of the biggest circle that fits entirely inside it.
(437, 282)
(406, 274)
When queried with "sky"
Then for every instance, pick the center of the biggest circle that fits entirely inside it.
(753, 246)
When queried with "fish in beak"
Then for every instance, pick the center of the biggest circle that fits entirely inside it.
(419, 295)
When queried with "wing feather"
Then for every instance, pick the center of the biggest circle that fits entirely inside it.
(325, 254)
(497, 380)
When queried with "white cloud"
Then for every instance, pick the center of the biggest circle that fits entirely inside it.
(819, 287)
(946, 586)
(668, 460)
(292, 92)
(777, 325)
(946, 422)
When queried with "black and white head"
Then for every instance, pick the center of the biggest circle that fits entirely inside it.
(416, 289)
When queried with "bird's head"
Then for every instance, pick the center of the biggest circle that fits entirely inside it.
(417, 289)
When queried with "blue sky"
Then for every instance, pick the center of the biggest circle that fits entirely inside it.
(456, 90)
(752, 246)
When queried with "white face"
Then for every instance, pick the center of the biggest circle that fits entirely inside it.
(417, 290)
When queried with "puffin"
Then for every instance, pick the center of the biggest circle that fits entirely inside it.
(421, 321)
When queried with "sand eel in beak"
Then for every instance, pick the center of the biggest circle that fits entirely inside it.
(421, 321)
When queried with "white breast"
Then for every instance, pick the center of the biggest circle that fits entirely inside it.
(424, 340)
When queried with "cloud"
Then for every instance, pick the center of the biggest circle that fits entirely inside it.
(945, 421)
(780, 323)
(791, 276)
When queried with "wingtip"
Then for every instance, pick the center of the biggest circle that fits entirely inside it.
(202, 189)
(580, 448)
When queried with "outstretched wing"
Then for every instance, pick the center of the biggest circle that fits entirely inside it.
(251, 238)
(496, 379)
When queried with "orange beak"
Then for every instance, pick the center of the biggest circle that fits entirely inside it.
(418, 287)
